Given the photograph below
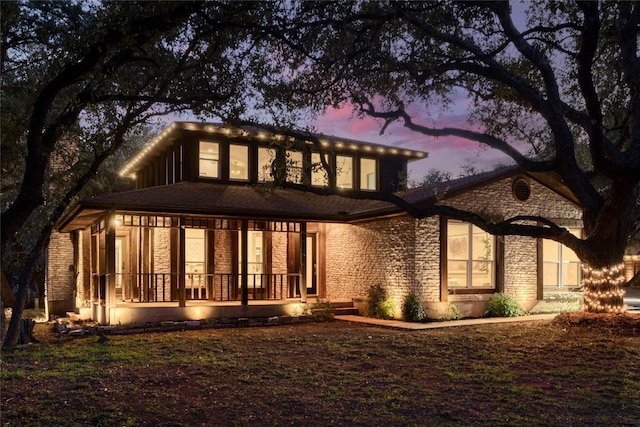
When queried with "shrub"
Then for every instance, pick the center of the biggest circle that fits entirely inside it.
(378, 306)
(412, 310)
(324, 310)
(501, 305)
(453, 312)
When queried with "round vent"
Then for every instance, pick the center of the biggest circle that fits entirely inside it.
(521, 190)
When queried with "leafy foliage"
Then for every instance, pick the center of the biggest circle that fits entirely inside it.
(378, 304)
(412, 309)
(502, 305)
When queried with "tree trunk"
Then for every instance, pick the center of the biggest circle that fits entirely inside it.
(602, 286)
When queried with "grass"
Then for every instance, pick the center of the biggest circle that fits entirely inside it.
(335, 373)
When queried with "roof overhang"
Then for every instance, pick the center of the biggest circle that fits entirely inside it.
(220, 131)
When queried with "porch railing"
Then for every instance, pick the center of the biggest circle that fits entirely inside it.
(163, 287)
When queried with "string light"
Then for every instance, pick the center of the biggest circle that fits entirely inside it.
(603, 289)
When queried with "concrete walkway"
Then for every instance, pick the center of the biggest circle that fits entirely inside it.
(631, 299)
(399, 324)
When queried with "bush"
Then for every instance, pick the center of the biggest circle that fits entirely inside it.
(501, 305)
(412, 310)
(324, 310)
(453, 313)
(378, 306)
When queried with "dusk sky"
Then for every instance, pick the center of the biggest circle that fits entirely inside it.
(445, 153)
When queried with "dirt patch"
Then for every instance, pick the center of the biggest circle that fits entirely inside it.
(622, 324)
(335, 373)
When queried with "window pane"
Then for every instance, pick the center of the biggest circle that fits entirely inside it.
(482, 246)
(318, 173)
(457, 241)
(571, 274)
(344, 171)
(457, 274)
(550, 274)
(266, 156)
(368, 179)
(482, 274)
(238, 162)
(550, 250)
(294, 166)
(208, 159)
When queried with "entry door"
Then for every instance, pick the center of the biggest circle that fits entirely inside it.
(312, 270)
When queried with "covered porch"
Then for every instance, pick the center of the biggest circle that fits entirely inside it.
(151, 267)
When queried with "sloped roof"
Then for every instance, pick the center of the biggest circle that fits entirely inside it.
(206, 198)
(262, 202)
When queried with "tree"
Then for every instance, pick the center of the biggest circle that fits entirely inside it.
(558, 93)
(81, 78)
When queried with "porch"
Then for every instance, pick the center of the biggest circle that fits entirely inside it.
(150, 268)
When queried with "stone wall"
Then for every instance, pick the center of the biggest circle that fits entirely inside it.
(376, 252)
(403, 254)
(60, 273)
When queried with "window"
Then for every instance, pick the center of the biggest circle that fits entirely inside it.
(208, 160)
(368, 179)
(194, 263)
(266, 156)
(238, 162)
(318, 173)
(344, 171)
(294, 166)
(255, 258)
(470, 256)
(560, 265)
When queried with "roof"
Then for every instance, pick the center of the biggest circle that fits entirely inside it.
(209, 198)
(264, 202)
(429, 194)
(219, 130)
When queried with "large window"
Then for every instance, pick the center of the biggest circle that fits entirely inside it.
(209, 159)
(255, 257)
(470, 256)
(318, 172)
(238, 162)
(368, 179)
(344, 172)
(194, 263)
(266, 156)
(294, 166)
(560, 265)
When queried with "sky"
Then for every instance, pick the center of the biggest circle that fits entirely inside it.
(445, 153)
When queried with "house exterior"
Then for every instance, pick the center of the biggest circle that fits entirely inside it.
(206, 235)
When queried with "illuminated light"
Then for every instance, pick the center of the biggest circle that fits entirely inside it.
(408, 152)
(603, 291)
(367, 148)
(393, 151)
(354, 146)
(339, 144)
(380, 149)
(210, 129)
(324, 143)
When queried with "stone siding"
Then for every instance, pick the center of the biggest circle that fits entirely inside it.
(403, 254)
(60, 273)
(376, 252)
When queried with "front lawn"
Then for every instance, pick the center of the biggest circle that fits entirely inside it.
(336, 373)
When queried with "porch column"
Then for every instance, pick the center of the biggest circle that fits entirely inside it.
(182, 292)
(110, 266)
(303, 262)
(244, 268)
